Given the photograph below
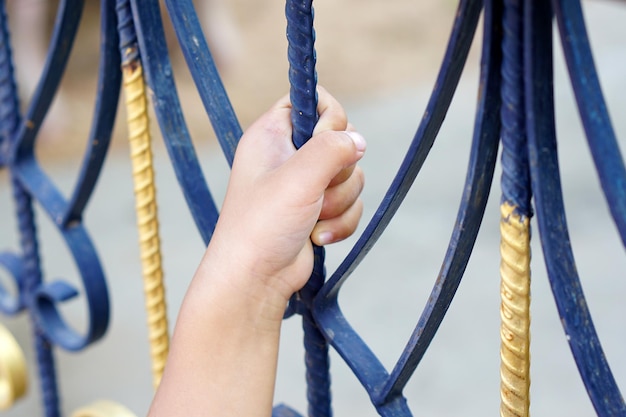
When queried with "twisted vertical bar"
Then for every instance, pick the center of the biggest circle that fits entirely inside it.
(145, 190)
(514, 312)
(10, 120)
(303, 95)
(515, 214)
(302, 74)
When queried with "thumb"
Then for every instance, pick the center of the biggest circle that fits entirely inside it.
(324, 156)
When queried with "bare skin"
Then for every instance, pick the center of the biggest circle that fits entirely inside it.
(279, 201)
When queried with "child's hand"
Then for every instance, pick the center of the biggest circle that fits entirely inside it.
(279, 199)
(225, 344)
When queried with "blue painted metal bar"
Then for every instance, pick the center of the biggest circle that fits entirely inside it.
(107, 97)
(151, 38)
(592, 107)
(385, 390)
(205, 75)
(504, 91)
(515, 180)
(456, 54)
(30, 273)
(32, 185)
(551, 220)
(304, 116)
(64, 216)
(284, 411)
(302, 74)
(471, 211)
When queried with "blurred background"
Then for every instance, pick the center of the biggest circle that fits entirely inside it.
(380, 58)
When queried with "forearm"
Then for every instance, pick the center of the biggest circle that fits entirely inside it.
(224, 351)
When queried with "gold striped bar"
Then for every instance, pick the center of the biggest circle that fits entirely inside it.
(147, 220)
(514, 313)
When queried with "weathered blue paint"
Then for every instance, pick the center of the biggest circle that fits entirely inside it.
(164, 96)
(304, 116)
(551, 220)
(205, 75)
(32, 185)
(302, 73)
(515, 179)
(592, 108)
(383, 388)
(515, 102)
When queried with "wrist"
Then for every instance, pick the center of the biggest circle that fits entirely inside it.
(230, 281)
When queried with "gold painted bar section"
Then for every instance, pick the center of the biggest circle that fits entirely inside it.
(13, 373)
(147, 220)
(103, 409)
(514, 313)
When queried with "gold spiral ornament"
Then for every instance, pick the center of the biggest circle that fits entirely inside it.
(147, 219)
(103, 409)
(514, 313)
(13, 372)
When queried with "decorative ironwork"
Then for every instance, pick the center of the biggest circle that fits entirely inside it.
(515, 108)
(145, 190)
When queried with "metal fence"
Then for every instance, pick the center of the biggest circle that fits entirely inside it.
(515, 115)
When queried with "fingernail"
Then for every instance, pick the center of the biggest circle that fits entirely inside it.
(324, 238)
(358, 139)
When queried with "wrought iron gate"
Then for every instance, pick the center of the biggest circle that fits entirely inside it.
(514, 114)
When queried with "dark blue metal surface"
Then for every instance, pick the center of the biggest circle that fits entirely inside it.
(158, 73)
(515, 180)
(384, 388)
(32, 185)
(208, 82)
(592, 107)
(551, 220)
(304, 116)
(515, 103)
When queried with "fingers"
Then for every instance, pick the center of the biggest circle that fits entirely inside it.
(340, 197)
(338, 228)
(332, 116)
(323, 158)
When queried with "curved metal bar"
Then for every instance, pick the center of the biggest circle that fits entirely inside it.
(592, 108)
(65, 28)
(456, 54)
(151, 38)
(284, 411)
(32, 275)
(205, 75)
(566, 287)
(108, 92)
(472, 207)
(38, 185)
(31, 183)
(337, 330)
